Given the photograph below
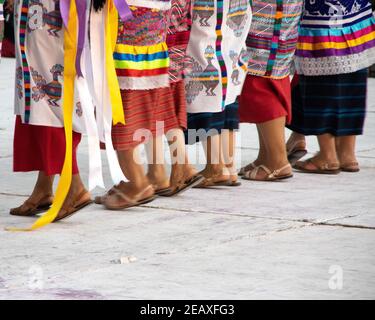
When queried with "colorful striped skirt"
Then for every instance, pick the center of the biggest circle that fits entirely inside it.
(265, 99)
(150, 113)
(205, 124)
(334, 104)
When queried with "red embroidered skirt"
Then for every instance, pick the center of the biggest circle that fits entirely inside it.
(265, 99)
(144, 108)
(41, 148)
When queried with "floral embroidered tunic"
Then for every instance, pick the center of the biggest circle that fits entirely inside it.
(336, 36)
(216, 54)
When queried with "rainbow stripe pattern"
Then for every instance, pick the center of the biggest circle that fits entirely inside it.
(219, 54)
(134, 63)
(25, 66)
(343, 43)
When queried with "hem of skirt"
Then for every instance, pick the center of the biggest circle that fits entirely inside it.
(330, 131)
(160, 5)
(261, 74)
(257, 121)
(144, 83)
(46, 172)
(335, 65)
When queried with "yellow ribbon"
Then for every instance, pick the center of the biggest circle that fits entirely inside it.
(70, 50)
(111, 30)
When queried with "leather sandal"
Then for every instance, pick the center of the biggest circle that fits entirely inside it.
(274, 175)
(101, 199)
(33, 208)
(247, 168)
(124, 201)
(186, 185)
(325, 168)
(296, 151)
(350, 167)
(82, 200)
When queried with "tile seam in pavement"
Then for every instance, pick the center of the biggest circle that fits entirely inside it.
(233, 214)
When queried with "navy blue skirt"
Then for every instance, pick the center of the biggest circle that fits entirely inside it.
(334, 104)
(205, 124)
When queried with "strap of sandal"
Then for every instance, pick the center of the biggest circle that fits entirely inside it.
(135, 199)
(253, 174)
(71, 206)
(276, 172)
(32, 205)
(294, 145)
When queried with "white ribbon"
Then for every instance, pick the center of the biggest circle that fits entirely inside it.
(101, 95)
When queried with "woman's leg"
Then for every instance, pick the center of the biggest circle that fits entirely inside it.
(326, 160)
(327, 149)
(345, 148)
(228, 144)
(272, 133)
(156, 174)
(42, 194)
(215, 167)
(182, 171)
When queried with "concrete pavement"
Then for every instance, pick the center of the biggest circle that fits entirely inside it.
(310, 237)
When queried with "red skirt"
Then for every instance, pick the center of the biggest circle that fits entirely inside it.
(41, 148)
(144, 108)
(265, 99)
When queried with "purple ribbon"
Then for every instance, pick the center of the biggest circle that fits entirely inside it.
(81, 11)
(64, 10)
(121, 6)
(123, 9)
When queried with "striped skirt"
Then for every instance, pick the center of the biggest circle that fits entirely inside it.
(149, 113)
(334, 104)
(205, 124)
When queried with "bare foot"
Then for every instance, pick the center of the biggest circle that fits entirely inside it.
(128, 194)
(39, 201)
(217, 173)
(77, 198)
(271, 172)
(157, 177)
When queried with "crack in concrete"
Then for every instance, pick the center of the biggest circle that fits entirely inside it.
(345, 225)
(13, 194)
(306, 220)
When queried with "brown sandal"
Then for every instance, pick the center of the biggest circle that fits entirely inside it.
(82, 200)
(325, 168)
(350, 167)
(245, 169)
(186, 185)
(296, 151)
(271, 175)
(101, 199)
(211, 182)
(129, 202)
(33, 208)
